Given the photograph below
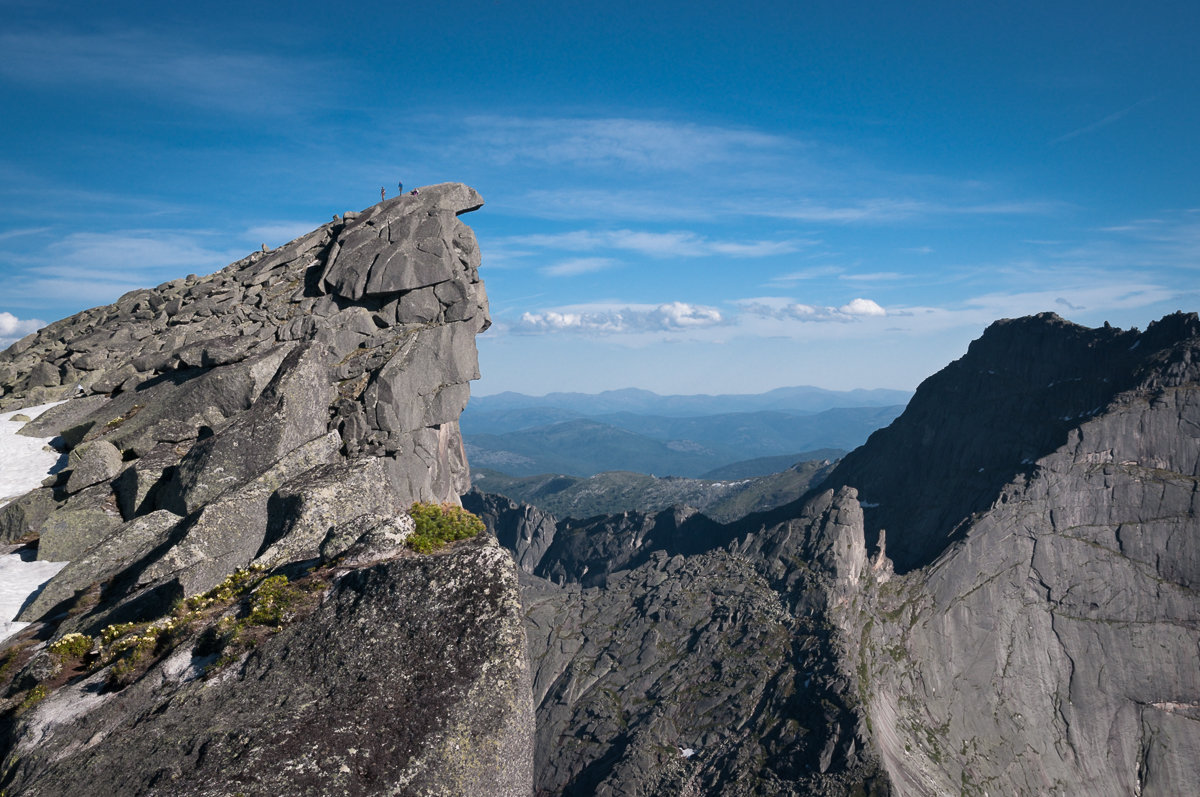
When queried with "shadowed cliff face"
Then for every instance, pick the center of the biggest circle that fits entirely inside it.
(986, 418)
(243, 448)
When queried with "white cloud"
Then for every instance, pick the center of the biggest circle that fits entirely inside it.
(861, 307)
(578, 265)
(13, 329)
(785, 309)
(668, 317)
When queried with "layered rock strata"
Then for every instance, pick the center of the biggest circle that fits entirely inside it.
(276, 419)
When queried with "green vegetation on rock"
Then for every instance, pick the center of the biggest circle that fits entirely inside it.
(439, 524)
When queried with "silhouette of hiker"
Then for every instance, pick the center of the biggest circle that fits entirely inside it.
(399, 188)
(382, 193)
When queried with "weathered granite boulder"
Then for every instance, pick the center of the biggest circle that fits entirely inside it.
(92, 463)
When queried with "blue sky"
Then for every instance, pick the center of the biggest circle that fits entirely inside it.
(686, 197)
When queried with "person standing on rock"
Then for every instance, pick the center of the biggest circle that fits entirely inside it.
(400, 188)
(382, 193)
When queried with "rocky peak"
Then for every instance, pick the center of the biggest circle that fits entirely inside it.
(975, 425)
(248, 443)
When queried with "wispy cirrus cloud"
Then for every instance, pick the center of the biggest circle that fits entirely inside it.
(655, 244)
(579, 265)
(280, 232)
(132, 61)
(642, 144)
(1100, 123)
(90, 268)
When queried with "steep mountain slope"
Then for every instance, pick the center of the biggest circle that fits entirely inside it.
(1040, 637)
(986, 418)
(1052, 646)
(241, 613)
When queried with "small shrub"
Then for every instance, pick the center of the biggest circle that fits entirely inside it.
(272, 600)
(71, 646)
(438, 525)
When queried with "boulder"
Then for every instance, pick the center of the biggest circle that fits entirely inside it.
(92, 463)
(305, 509)
(80, 523)
(125, 543)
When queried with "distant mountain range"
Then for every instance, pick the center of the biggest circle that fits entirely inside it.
(803, 399)
(689, 436)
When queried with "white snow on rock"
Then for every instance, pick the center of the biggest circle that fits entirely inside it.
(21, 576)
(24, 462)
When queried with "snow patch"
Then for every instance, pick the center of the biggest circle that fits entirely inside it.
(24, 462)
(21, 577)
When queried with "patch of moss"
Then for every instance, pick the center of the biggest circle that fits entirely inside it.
(116, 422)
(33, 697)
(271, 602)
(437, 525)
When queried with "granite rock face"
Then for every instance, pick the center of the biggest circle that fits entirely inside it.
(673, 655)
(362, 696)
(243, 448)
(1036, 631)
(1051, 645)
(281, 363)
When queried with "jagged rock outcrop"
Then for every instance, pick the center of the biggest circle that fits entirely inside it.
(220, 391)
(242, 450)
(1052, 645)
(1036, 631)
(675, 655)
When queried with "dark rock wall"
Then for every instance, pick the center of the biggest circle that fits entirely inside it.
(362, 697)
(986, 418)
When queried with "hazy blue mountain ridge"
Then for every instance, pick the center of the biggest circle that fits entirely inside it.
(659, 444)
(799, 399)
